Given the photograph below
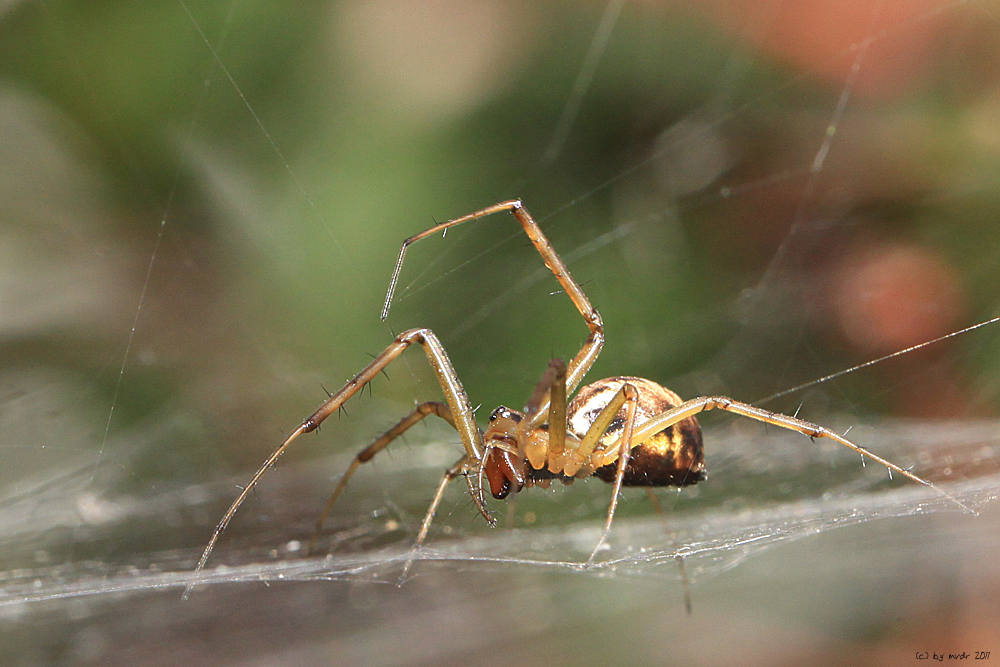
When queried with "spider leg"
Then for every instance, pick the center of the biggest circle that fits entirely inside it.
(368, 453)
(552, 387)
(461, 467)
(554, 372)
(557, 409)
(696, 405)
(628, 396)
(458, 404)
(584, 359)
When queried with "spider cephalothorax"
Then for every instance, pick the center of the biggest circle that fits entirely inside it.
(517, 457)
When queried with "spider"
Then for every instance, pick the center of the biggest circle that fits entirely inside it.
(627, 431)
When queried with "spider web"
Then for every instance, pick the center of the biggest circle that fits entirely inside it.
(709, 534)
(156, 358)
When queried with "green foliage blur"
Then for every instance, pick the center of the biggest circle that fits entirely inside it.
(213, 195)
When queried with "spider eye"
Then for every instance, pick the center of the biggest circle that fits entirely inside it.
(506, 413)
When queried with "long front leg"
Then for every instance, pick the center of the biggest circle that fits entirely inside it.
(458, 403)
(585, 358)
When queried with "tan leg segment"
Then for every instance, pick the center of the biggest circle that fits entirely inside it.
(584, 359)
(458, 403)
(696, 405)
(368, 453)
(461, 467)
(630, 396)
(551, 388)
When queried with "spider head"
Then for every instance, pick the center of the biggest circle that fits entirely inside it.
(503, 465)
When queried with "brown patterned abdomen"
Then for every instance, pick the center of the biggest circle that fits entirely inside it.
(672, 457)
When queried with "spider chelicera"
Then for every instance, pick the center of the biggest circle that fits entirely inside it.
(625, 430)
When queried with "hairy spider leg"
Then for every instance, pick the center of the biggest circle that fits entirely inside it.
(422, 411)
(554, 381)
(461, 467)
(551, 375)
(557, 409)
(619, 449)
(551, 388)
(458, 403)
(628, 396)
(585, 358)
(695, 405)
(577, 461)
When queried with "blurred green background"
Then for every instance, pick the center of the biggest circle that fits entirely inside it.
(203, 202)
